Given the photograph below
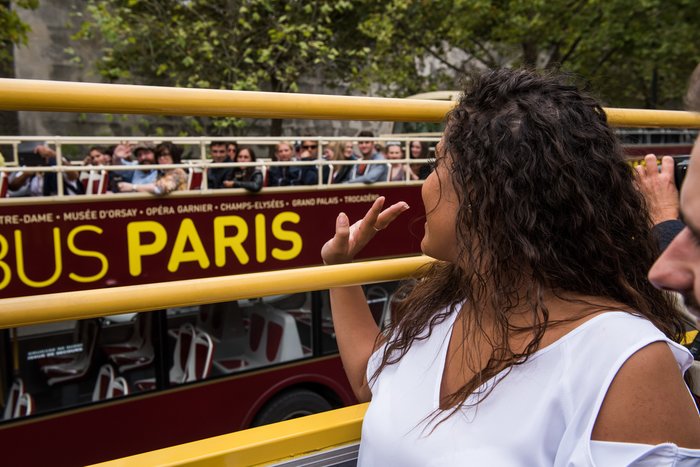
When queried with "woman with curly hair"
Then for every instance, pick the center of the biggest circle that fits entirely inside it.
(535, 338)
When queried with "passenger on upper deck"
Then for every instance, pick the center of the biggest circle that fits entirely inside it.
(27, 183)
(231, 150)
(309, 173)
(249, 178)
(145, 156)
(368, 173)
(168, 179)
(341, 151)
(217, 175)
(293, 175)
(537, 315)
(419, 150)
(398, 170)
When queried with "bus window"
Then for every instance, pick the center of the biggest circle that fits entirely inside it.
(72, 363)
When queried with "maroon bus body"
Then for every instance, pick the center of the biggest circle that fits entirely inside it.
(156, 420)
(103, 242)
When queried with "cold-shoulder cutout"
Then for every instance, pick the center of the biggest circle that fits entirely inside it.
(648, 402)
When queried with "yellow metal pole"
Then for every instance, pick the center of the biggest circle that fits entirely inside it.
(57, 96)
(60, 96)
(262, 445)
(652, 118)
(24, 311)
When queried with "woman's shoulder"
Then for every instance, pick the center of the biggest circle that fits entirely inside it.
(648, 402)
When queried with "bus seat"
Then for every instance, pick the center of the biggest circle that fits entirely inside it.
(142, 355)
(194, 178)
(25, 406)
(3, 184)
(84, 178)
(263, 170)
(95, 182)
(79, 367)
(283, 342)
(222, 321)
(118, 388)
(378, 301)
(199, 361)
(16, 391)
(142, 326)
(273, 338)
(181, 354)
(102, 385)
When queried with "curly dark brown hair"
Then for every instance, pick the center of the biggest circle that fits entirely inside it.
(546, 203)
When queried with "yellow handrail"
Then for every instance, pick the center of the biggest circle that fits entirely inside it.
(24, 311)
(60, 96)
(55, 96)
(262, 445)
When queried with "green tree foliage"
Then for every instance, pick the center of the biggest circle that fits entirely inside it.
(220, 44)
(13, 31)
(633, 52)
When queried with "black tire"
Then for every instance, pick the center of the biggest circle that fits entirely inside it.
(292, 404)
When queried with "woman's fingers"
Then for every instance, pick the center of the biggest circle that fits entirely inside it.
(336, 249)
(387, 216)
(350, 239)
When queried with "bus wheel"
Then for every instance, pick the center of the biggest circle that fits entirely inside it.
(293, 404)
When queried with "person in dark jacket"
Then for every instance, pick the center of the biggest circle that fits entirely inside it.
(249, 177)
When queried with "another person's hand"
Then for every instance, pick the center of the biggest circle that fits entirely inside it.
(228, 184)
(659, 188)
(350, 239)
(45, 152)
(125, 187)
(123, 150)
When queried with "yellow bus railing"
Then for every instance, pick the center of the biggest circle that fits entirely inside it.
(24, 311)
(59, 96)
(259, 446)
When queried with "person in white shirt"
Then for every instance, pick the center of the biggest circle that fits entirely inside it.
(535, 338)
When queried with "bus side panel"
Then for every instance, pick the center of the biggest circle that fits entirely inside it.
(144, 423)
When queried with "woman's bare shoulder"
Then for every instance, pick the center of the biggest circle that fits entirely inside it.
(649, 403)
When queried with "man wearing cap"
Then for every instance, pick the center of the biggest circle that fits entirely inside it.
(145, 156)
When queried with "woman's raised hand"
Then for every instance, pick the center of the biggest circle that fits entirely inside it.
(350, 239)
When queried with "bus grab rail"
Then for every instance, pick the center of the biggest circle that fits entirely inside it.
(60, 96)
(39, 309)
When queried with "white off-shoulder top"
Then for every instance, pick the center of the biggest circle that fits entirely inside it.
(541, 414)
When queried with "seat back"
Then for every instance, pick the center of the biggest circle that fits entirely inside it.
(16, 391)
(118, 387)
(200, 359)
(263, 170)
(194, 178)
(25, 406)
(181, 354)
(84, 178)
(283, 342)
(378, 301)
(3, 184)
(105, 377)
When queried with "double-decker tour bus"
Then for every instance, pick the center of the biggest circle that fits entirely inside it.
(130, 383)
